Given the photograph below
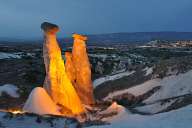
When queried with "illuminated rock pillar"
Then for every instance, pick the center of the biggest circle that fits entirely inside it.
(70, 69)
(57, 84)
(83, 83)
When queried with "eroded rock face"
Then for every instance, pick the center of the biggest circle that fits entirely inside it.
(57, 84)
(69, 66)
(83, 82)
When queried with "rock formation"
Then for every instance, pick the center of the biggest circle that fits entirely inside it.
(83, 82)
(57, 84)
(70, 69)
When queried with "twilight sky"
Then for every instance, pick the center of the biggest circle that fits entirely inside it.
(22, 18)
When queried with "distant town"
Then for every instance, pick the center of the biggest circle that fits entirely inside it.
(169, 44)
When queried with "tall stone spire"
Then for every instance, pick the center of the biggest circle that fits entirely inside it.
(69, 66)
(83, 83)
(57, 84)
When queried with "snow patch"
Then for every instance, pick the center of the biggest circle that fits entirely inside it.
(10, 90)
(103, 56)
(35, 121)
(155, 108)
(180, 118)
(39, 102)
(148, 71)
(4, 55)
(173, 86)
(102, 80)
(136, 90)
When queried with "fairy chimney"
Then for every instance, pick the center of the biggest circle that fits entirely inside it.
(69, 66)
(57, 84)
(83, 83)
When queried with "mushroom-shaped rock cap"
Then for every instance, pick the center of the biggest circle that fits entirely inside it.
(78, 36)
(49, 27)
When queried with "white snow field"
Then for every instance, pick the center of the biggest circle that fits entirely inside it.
(39, 102)
(34, 121)
(10, 90)
(148, 70)
(180, 118)
(102, 80)
(4, 55)
(155, 107)
(136, 90)
(171, 86)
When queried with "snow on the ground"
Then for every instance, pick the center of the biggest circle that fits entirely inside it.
(39, 102)
(121, 112)
(155, 108)
(10, 90)
(148, 70)
(98, 55)
(4, 55)
(136, 90)
(103, 56)
(171, 86)
(119, 71)
(180, 118)
(114, 107)
(35, 121)
(111, 77)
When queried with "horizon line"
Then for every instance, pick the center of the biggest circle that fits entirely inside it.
(93, 34)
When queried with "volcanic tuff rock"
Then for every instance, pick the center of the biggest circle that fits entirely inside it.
(69, 66)
(83, 83)
(57, 84)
